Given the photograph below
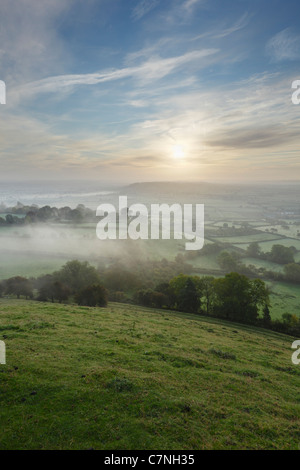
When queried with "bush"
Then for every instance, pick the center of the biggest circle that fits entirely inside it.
(151, 298)
(118, 297)
(92, 296)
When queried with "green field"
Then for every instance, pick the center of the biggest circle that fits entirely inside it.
(287, 230)
(27, 265)
(127, 377)
(285, 298)
(247, 239)
(267, 246)
(260, 263)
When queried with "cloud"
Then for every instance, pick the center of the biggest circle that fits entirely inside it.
(132, 115)
(165, 43)
(188, 5)
(150, 70)
(182, 10)
(220, 32)
(222, 123)
(143, 8)
(241, 23)
(284, 46)
(256, 138)
(218, 128)
(29, 42)
(216, 124)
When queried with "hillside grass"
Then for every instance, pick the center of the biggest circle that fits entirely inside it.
(126, 377)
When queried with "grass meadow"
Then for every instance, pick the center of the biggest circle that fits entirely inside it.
(127, 377)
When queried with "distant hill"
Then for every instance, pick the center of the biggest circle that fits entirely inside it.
(283, 195)
(179, 188)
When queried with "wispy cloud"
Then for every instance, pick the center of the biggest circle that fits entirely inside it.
(284, 46)
(152, 69)
(256, 138)
(182, 11)
(241, 23)
(143, 8)
(188, 5)
(218, 128)
(221, 31)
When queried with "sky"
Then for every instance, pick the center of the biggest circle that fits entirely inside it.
(149, 90)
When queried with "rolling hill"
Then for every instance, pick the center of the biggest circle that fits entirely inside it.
(127, 377)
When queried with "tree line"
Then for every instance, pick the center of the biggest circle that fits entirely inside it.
(24, 215)
(233, 297)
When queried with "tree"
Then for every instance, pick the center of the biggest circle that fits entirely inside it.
(289, 319)
(44, 285)
(77, 275)
(19, 286)
(165, 289)
(254, 250)
(281, 254)
(150, 298)
(61, 292)
(187, 293)
(292, 272)
(239, 298)
(92, 296)
(258, 293)
(50, 289)
(9, 219)
(266, 317)
(226, 261)
(118, 278)
(188, 299)
(207, 289)
(76, 216)
(45, 213)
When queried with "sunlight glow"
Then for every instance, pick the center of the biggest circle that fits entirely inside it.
(178, 152)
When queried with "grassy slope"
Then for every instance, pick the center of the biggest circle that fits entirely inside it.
(131, 378)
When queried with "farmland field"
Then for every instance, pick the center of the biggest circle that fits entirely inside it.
(27, 265)
(285, 298)
(260, 263)
(288, 230)
(240, 240)
(37, 249)
(267, 246)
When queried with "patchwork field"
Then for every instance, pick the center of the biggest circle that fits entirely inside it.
(37, 249)
(247, 239)
(266, 246)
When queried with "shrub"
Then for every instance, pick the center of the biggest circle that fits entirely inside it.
(92, 296)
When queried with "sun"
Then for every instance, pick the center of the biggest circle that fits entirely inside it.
(178, 152)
